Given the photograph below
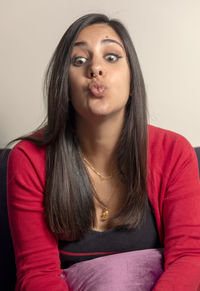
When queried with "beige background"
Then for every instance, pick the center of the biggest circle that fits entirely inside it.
(166, 35)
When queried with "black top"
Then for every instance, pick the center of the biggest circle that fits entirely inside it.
(96, 244)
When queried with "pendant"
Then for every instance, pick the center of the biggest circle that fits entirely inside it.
(105, 214)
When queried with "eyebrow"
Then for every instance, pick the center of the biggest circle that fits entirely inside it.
(104, 41)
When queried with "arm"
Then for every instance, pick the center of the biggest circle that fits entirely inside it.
(181, 223)
(36, 250)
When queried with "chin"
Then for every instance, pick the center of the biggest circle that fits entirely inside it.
(99, 108)
(105, 114)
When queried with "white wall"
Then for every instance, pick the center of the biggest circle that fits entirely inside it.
(166, 35)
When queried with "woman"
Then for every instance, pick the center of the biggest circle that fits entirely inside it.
(96, 167)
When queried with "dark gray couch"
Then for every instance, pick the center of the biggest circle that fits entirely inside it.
(7, 260)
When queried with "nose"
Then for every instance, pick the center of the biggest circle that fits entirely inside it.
(95, 71)
(93, 74)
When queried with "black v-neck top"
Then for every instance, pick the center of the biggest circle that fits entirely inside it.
(96, 244)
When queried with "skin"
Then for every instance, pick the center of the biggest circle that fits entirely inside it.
(99, 119)
(94, 56)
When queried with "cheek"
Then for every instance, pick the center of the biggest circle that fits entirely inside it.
(74, 85)
(75, 90)
(126, 81)
(121, 83)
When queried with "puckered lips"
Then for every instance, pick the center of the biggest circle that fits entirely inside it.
(97, 88)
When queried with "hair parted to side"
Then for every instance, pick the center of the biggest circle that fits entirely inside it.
(68, 199)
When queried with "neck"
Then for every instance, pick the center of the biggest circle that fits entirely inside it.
(98, 140)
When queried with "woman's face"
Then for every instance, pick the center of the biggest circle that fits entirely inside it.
(99, 74)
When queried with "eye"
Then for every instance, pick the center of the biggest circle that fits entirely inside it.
(112, 58)
(78, 61)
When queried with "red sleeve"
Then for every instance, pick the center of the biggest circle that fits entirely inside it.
(181, 222)
(36, 249)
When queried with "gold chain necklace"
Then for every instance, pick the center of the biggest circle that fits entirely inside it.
(105, 211)
(102, 177)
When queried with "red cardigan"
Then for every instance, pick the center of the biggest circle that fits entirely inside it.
(174, 193)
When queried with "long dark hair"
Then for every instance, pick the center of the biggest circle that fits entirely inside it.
(68, 199)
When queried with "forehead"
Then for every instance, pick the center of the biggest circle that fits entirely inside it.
(97, 32)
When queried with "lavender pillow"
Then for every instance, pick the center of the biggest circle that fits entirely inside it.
(134, 271)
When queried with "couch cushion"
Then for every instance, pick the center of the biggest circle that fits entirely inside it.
(7, 262)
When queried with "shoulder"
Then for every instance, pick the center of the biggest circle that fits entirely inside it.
(166, 141)
(167, 148)
(26, 158)
(163, 138)
(29, 150)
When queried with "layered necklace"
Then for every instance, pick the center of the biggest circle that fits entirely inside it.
(105, 210)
